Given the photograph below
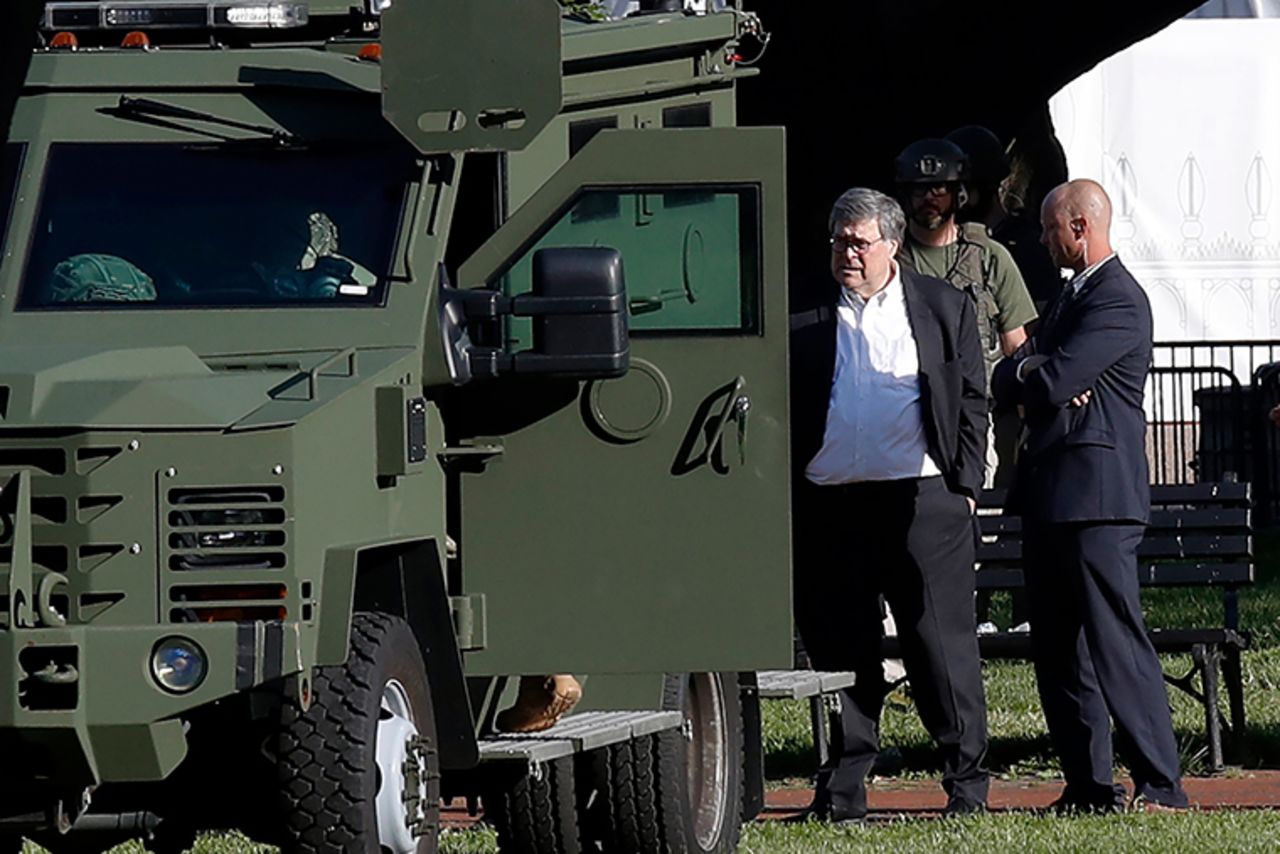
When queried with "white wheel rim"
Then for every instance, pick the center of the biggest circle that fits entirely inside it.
(395, 732)
(708, 765)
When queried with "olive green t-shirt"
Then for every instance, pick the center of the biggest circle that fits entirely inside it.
(1014, 306)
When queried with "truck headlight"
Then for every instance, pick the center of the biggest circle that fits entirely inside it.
(178, 665)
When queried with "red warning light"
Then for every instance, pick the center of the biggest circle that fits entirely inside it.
(136, 39)
(371, 52)
(64, 41)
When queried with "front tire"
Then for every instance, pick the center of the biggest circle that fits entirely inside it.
(358, 771)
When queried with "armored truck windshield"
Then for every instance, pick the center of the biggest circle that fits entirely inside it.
(127, 226)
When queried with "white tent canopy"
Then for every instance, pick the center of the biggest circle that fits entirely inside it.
(1183, 132)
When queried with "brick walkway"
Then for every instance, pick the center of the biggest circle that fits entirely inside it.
(1242, 790)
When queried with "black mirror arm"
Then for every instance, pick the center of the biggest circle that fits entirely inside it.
(485, 304)
(532, 306)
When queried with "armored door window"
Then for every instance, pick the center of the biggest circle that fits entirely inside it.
(691, 256)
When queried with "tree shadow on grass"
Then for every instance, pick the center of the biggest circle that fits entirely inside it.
(1259, 748)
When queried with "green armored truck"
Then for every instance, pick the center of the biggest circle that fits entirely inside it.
(357, 360)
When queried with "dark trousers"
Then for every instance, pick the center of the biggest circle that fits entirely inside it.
(1094, 662)
(911, 541)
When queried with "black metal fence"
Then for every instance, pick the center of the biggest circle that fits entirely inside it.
(1207, 405)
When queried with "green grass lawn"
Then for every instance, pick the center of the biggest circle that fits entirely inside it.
(1133, 834)
(1019, 749)
(1257, 830)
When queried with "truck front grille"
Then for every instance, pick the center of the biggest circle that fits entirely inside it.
(68, 534)
(226, 530)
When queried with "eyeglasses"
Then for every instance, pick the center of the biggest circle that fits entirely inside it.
(859, 247)
(925, 189)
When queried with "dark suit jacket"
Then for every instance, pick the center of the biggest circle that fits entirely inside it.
(1085, 463)
(953, 379)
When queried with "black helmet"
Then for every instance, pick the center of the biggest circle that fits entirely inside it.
(989, 164)
(931, 161)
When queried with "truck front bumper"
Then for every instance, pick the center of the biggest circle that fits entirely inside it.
(79, 705)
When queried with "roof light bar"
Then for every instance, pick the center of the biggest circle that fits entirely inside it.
(175, 14)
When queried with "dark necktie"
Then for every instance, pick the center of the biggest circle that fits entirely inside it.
(1065, 297)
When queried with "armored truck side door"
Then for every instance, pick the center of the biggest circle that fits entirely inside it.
(644, 519)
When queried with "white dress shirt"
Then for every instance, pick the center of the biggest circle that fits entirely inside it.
(875, 423)
(1083, 276)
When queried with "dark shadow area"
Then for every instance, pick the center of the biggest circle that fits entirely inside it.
(1261, 746)
(503, 406)
(292, 78)
(990, 62)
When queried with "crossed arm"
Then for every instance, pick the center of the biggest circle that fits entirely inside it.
(1105, 334)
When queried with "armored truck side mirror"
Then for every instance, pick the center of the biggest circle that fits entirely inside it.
(579, 310)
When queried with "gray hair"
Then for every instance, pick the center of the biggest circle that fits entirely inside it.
(860, 204)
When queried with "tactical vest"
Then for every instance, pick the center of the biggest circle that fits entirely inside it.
(971, 272)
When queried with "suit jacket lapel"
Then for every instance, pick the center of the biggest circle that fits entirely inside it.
(827, 355)
(1071, 301)
(925, 331)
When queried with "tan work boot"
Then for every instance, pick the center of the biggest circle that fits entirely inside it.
(540, 703)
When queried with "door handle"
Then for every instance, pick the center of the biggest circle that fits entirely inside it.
(730, 411)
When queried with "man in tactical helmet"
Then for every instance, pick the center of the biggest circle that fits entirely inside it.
(1016, 231)
(931, 175)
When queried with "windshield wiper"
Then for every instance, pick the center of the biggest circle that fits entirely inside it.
(159, 109)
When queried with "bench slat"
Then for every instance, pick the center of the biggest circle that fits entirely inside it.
(1181, 640)
(1195, 574)
(1169, 547)
(1149, 575)
(1201, 493)
(1208, 545)
(1210, 519)
(1018, 644)
(1224, 493)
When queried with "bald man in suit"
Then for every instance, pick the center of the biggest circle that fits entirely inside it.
(1083, 493)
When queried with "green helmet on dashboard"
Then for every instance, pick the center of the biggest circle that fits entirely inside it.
(94, 277)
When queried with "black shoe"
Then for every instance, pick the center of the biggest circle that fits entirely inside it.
(958, 807)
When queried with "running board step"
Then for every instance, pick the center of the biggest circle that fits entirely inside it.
(575, 734)
(801, 684)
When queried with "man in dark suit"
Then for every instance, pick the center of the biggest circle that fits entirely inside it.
(1083, 494)
(890, 422)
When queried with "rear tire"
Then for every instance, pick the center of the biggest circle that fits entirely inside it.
(677, 792)
(621, 808)
(341, 771)
(699, 770)
(535, 815)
